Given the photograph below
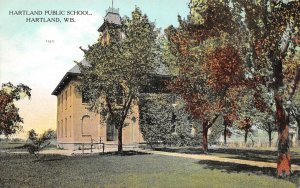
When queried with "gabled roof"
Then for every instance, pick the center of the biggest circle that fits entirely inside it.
(72, 73)
(76, 69)
(161, 71)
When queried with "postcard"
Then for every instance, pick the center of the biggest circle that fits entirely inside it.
(148, 93)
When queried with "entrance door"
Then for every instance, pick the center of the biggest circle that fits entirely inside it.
(111, 132)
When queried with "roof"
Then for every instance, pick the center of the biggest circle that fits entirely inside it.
(72, 73)
(160, 71)
(76, 69)
(112, 17)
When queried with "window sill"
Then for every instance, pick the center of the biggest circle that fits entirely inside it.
(86, 134)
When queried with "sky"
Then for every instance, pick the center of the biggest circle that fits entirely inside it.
(39, 54)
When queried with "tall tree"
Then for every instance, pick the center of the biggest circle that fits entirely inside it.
(273, 34)
(119, 67)
(205, 50)
(10, 120)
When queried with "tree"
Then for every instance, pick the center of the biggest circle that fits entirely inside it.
(10, 120)
(267, 123)
(264, 117)
(227, 123)
(295, 109)
(208, 59)
(118, 68)
(273, 34)
(246, 126)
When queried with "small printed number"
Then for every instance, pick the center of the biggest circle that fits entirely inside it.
(49, 41)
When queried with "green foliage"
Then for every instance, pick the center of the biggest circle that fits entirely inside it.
(118, 66)
(39, 142)
(10, 120)
(117, 70)
(163, 121)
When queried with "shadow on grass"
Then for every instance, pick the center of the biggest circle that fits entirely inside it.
(125, 153)
(181, 150)
(254, 155)
(246, 154)
(242, 168)
(47, 160)
(234, 167)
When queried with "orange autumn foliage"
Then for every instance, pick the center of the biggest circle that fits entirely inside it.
(224, 68)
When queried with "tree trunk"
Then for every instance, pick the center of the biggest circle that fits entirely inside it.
(120, 145)
(225, 134)
(204, 137)
(284, 156)
(270, 138)
(298, 123)
(246, 136)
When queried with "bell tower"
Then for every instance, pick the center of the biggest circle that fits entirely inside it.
(112, 18)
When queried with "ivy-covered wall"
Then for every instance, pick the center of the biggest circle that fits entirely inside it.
(163, 120)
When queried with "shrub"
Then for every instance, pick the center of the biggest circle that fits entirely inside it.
(39, 142)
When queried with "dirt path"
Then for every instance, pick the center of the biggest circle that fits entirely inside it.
(220, 159)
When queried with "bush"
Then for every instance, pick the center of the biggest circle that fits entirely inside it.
(39, 142)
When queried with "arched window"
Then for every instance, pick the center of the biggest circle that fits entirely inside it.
(61, 127)
(70, 126)
(85, 124)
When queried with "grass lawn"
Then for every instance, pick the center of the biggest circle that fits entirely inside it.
(17, 146)
(4, 145)
(131, 170)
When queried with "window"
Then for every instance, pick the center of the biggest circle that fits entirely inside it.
(70, 98)
(85, 124)
(173, 99)
(85, 98)
(66, 134)
(66, 104)
(62, 102)
(173, 122)
(70, 125)
(58, 131)
(62, 130)
(120, 96)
